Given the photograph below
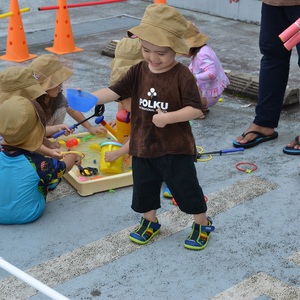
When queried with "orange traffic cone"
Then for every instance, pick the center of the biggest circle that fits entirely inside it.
(16, 47)
(63, 36)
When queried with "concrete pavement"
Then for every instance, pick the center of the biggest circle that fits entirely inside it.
(80, 248)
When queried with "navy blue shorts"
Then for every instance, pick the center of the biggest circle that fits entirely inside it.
(178, 172)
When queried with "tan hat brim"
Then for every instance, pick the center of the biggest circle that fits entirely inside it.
(193, 37)
(33, 140)
(31, 93)
(197, 41)
(57, 78)
(154, 35)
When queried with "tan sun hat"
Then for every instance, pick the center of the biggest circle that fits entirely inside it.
(49, 71)
(128, 53)
(193, 37)
(19, 81)
(20, 124)
(163, 26)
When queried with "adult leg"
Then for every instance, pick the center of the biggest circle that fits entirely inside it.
(274, 67)
(274, 70)
(294, 12)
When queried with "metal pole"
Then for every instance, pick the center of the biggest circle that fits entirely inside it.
(80, 4)
(52, 294)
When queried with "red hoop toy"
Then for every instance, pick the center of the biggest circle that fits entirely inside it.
(248, 169)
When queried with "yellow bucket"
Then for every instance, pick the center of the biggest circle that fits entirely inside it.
(115, 166)
(123, 126)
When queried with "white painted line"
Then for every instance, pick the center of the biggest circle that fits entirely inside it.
(295, 258)
(259, 285)
(104, 251)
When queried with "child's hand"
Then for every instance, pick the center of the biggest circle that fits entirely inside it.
(51, 145)
(159, 119)
(97, 130)
(111, 155)
(113, 123)
(60, 127)
(54, 145)
(78, 160)
(55, 153)
(68, 131)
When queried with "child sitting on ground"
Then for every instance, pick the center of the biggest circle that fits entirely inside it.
(164, 97)
(51, 74)
(206, 67)
(25, 175)
(19, 81)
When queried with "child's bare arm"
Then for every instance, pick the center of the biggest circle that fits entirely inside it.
(54, 153)
(187, 113)
(50, 130)
(71, 160)
(105, 95)
(79, 116)
(113, 155)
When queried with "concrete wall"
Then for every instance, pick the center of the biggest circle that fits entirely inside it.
(245, 10)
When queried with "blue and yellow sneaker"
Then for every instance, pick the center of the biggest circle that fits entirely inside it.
(145, 232)
(198, 239)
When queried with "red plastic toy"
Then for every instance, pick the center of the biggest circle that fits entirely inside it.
(71, 143)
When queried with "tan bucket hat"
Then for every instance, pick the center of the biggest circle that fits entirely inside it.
(49, 71)
(193, 37)
(19, 81)
(162, 25)
(128, 53)
(20, 124)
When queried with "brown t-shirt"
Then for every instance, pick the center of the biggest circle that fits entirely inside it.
(169, 91)
(282, 2)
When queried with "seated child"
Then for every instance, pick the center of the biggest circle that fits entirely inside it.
(20, 81)
(25, 175)
(206, 67)
(51, 74)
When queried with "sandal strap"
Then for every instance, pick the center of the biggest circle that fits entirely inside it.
(207, 228)
(297, 140)
(259, 134)
(201, 232)
(153, 225)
